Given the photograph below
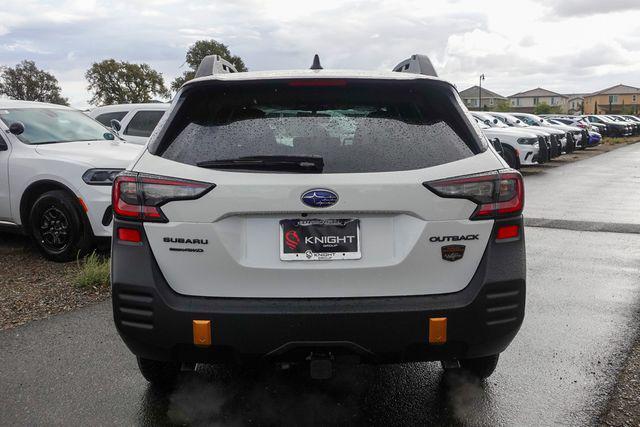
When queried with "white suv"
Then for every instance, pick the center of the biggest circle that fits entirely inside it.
(315, 216)
(520, 147)
(133, 122)
(56, 170)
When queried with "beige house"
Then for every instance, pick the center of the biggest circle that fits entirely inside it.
(615, 99)
(471, 98)
(575, 102)
(526, 102)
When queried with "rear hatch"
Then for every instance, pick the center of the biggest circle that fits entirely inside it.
(320, 188)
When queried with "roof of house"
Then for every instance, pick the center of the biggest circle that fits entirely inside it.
(618, 90)
(575, 95)
(537, 92)
(472, 92)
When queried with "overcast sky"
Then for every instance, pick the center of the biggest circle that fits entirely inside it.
(562, 45)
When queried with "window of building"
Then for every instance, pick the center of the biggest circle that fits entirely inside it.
(634, 98)
(535, 101)
(613, 99)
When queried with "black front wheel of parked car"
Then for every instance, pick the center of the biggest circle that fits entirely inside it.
(510, 156)
(57, 226)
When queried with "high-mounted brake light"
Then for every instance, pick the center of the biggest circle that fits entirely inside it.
(317, 83)
(138, 196)
(498, 194)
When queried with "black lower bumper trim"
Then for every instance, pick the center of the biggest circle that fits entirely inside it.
(156, 323)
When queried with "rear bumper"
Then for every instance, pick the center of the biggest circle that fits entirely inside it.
(156, 323)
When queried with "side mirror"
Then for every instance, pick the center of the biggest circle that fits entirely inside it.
(497, 145)
(115, 125)
(16, 128)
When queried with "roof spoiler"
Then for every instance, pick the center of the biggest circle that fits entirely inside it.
(417, 64)
(214, 64)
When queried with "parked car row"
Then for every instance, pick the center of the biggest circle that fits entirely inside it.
(528, 139)
(61, 163)
(249, 214)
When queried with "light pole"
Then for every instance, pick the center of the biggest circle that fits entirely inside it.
(480, 92)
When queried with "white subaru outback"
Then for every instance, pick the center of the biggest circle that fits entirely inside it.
(317, 216)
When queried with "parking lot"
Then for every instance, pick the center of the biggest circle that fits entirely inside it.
(583, 246)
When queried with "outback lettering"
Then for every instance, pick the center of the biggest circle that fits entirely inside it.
(453, 238)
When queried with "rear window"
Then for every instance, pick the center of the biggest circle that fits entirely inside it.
(143, 123)
(353, 126)
(106, 118)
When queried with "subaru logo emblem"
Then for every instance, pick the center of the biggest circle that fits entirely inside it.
(319, 198)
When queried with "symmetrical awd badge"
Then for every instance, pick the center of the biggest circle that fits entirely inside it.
(452, 252)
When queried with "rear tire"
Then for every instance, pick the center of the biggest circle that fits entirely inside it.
(58, 228)
(160, 374)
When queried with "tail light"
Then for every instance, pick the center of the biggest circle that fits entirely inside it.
(137, 196)
(498, 194)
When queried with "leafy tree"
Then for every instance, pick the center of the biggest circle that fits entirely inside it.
(27, 82)
(113, 82)
(198, 51)
(544, 108)
(627, 109)
(502, 106)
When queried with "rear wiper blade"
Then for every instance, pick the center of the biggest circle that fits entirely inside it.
(310, 164)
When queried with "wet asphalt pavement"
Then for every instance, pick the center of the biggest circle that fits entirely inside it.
(583, 298)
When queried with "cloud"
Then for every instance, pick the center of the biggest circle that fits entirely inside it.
(463, 38)
(574, 8)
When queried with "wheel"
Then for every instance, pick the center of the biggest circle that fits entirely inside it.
(481, 367)
(510, 157)
(158, 373)
(58, 228)
(571, 145)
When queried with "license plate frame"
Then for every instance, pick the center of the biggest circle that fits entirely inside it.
(326, 234)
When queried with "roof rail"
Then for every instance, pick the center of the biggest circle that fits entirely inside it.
(214, 64)
(417, 64)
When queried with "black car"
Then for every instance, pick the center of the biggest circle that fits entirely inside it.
(615, 128)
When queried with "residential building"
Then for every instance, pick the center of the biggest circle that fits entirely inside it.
(575, 102)
(527, 101)
(615, 99)
(471, 98)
